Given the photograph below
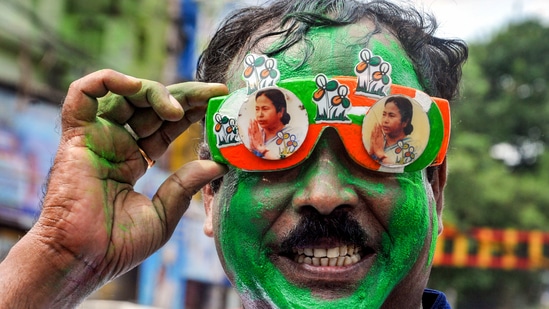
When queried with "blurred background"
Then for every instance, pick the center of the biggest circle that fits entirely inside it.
(494, 250)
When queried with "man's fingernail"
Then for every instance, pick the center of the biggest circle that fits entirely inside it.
(134, 79)
(174, 101)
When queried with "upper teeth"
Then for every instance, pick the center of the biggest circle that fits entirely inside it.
(336, 256)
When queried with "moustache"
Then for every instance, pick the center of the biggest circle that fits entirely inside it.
(314, 228)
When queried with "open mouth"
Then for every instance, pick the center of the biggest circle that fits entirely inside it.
(326, 250)
(326, 264)
(338, 256)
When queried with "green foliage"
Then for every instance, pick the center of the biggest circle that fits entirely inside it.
(512, 95)
(504, 100)
(488, 288)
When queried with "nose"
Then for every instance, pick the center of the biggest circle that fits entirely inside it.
(326, 186)
(384, 119)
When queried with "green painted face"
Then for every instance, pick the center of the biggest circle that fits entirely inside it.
(266, 224)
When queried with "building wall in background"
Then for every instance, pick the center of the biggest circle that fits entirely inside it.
(46, 44)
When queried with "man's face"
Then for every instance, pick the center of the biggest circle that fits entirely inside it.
(276, 232)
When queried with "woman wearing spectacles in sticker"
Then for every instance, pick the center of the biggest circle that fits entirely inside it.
(269, 125)
(390, 140)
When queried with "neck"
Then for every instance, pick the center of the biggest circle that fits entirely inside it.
(391, 140)
(271, 132)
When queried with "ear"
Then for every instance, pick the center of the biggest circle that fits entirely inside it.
(438, 182)
(208, 197)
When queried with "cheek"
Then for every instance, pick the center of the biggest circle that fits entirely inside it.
(272, 115)
(409, 225)
(246, 215)
(411, 219)
(239, 229)
(404, 239)
(239, 212)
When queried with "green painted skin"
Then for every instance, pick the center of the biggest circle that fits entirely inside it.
(104, 160)
(256, 276)
(248, 206)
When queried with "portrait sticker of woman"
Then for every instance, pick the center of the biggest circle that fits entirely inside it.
(395, 130)
(272, 123)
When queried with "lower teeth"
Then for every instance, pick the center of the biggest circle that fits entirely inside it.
(325, 261)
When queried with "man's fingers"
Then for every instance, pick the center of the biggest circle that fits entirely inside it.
(193, 97)
(80, 105)
(155, 95)
(151, 111)
(193, 94)
(156, 114)
(145, 122)
(152, 97)
(169, 103)
(175, 193)
(115, 108)
(156, 143)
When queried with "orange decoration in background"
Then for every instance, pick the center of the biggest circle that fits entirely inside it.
(492, 248)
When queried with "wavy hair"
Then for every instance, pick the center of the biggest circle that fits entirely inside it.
(437, 61)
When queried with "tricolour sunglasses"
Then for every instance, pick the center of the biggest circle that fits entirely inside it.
(277, 127)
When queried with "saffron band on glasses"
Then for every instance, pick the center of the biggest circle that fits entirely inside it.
(316, 103)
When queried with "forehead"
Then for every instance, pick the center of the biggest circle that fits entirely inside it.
(263, 101)
(333, 51)
(390, 106)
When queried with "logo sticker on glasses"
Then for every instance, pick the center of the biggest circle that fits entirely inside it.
(331, 99)
(260, 72)
(374, 74)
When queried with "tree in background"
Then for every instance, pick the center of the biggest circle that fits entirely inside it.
(498, 160)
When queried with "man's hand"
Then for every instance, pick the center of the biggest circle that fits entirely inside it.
(94, 226)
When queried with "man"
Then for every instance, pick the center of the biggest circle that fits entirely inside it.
(311, 205)
(273, 228)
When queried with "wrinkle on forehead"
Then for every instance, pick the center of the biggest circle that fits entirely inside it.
(332, 51)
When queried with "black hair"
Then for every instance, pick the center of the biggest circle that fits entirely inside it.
(406, 110)
(437, 61)
(279, 101)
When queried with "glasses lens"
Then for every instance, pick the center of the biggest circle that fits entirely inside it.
(395, 131)
(273, 123)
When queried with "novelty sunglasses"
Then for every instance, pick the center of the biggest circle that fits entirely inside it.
(274, 125)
